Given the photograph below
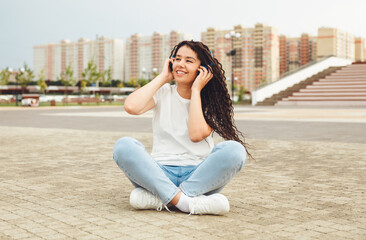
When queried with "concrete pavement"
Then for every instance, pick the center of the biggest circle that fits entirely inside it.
(63, 184)
(322, 124)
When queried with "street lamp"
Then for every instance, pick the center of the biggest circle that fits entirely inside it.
(251, 76)
(232, 53)
(147, 73)
(16, 86)
(21, 72)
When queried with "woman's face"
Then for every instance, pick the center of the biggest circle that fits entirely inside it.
(185, 65)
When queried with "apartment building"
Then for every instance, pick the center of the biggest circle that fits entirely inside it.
(295, 52)
(219, 45)
(145, 55)
(54, 58)
(335, 42)
(360, 51)
(256, 59)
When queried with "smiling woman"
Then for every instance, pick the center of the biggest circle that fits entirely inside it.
(185, 168)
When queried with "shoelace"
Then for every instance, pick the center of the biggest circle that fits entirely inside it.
(191, 212)
(194, 206)
(161, 208)
(168, 209)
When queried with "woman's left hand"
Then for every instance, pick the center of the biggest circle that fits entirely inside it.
(203, 78)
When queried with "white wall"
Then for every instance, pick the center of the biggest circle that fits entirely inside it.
(39, 61)
(118, 61)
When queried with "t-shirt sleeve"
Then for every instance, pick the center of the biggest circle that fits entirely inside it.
(160, 93)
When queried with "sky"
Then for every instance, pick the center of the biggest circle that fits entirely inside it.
(26, 23)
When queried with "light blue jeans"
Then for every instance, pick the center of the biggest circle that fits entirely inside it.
(210, 176)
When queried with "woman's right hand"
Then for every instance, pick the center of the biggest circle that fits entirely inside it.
(166, 73)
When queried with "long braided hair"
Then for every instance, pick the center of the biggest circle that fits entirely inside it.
(217, 106)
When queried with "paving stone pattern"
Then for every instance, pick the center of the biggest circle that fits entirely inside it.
(63, 184)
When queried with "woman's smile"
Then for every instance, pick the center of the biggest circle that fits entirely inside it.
(181, 73)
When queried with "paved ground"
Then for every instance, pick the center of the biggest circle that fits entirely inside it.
(336, 125)
(61, 182)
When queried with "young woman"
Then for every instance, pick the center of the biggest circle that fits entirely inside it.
(185, 169)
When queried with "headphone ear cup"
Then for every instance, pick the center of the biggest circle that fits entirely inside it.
(212, 57)
(171, 64)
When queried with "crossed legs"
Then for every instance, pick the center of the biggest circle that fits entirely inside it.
(210, 176)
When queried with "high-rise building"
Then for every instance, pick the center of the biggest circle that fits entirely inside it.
(360, 51)
(284, 54)
(256, 58)
(308, 48)
(215, 40)
(54, 58)
(332, 41)
(295, 52)
(145, 55)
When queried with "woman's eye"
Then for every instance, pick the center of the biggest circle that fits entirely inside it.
(189, 61)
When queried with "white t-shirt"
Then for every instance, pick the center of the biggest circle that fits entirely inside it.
(172, 145)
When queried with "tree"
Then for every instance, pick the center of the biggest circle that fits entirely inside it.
(41, 81)
(106, 77)
(241, 94)
(132, 83)
(91, 74)
(83, 84)
(67, 78)
(141, 82)
(120, 84)
(24, 76)
(5, 76)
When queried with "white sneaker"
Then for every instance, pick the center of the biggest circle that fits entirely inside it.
(216, 204)
(142, 199)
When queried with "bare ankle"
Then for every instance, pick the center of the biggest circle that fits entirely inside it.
(175, 199)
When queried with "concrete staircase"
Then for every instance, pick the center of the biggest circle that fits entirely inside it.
(344, 87)
(295, 88)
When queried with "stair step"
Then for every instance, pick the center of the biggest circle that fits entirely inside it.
(353, 68)
(336, 86)
(340, 83)
(347, 76)
(325, 94)
(341, 72)
(340, 79)
(348, 98)
(350, 71)
(322, 103)
(355, 65)
(355, 90)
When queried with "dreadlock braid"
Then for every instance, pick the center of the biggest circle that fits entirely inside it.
(217, 106)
